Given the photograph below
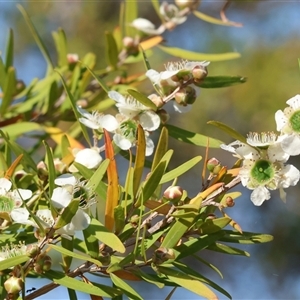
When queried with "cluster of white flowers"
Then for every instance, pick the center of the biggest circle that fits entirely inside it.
(265, 155)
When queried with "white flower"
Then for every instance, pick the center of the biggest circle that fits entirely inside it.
(10, 201)
(171, 13)
(90, 158)
(146, 26)
(263, 169)
(97, 120)
(133, 109)
(288, 123)
(9, 251)
(61, 198)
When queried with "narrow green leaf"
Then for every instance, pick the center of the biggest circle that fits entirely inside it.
(230, 131)
(146, 61)
(12, 261)
(119, 219)
(139, 159)
(73, 254)
(161, 148)
(246, 237)
(220, 81)
(225, 249)
(214, 225)
(9, 50)
(131, 14)
(2, 74)
(73, 104)
(67, 214)
(188, 283)
(9, 90)
(199, 56)
(61, 46)
(16, 129)
(152, 182)
(147, 277)
(67, 244)
(72, 294)
(78, 285)
(156, 6)
(212, 20)
(92, 243)
(111, 50)
(104, 235)
(65, 145)
(98, 79)
(193, 274)
(180, 170)
(192, 137)
(126, 288)
(37, 38)
(51, 168)
(142, 99)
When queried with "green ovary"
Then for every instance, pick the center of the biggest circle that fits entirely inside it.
(6, 204)
(262, 171)
(295, 121)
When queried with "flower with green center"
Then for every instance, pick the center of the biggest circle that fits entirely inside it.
(288, 123)
(263, 167)
(10, 201)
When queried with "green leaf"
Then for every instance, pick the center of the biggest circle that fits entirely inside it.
(191, 272)
(68, 245)
(230, 131)
(227, 249)
(142, 99)
(214, 225)
(2, 74)
(246, 237)
(199, 56)
(104, 235)
(126, 288)
(192, 137)
(131, 14)
(51, 168)
(139, 159)
(119, 219)
(75, 255)
(161, 148)
(61, 46)
(67, 214)
(92, 243)
(9, 90)
(180, 170)
(9, 50)
(78, 285)
(152, 182)
(37, 38)
(212, 20)
(147, 277)
(188, 283)
(98, 79)
(111, 50)
(220, 81)
(13, 261)
(73, 104)
(16, 129)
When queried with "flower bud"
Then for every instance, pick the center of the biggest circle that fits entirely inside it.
(229, 201)
(134, 220)
(192, 4)
(43, 263)
(186, 96)
(199, 73)
(213, 165)
(162, 254)
(72, 58)
(13, 286)
(33, 250)
(157, 100)
(83, 103)
(173, 193)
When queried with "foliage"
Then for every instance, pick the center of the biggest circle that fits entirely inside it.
(146, 229)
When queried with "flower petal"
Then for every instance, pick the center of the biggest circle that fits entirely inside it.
(61, 197)
(65, 179)
(259, 195)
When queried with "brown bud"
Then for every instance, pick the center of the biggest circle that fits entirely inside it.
(173, 193)
(162, 254)
(229, 201)
(186, 96)
(13, 285)
(199, 73)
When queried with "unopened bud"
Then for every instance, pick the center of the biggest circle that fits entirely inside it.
(199, 73)
(173, 193)
(83, 103)
(32, 250)
(213, 165)
(128, 42)
(162, 254)
(13, 285)
(157, 100)
(229, 201)
(72, 58)
(186, 96)
(192, 4)
(134, 220)
(43, 263)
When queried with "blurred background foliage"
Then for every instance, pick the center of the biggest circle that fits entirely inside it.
(269, 43)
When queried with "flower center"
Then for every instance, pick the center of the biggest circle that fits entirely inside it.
(128, 129)
(262, 171)
(295, 121)
(6, 204)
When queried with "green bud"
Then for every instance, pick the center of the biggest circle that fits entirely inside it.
(13, 285)
(213, 165)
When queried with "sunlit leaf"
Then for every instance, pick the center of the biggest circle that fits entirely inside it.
(161, 148)
(131, 13)
(214, 225)
(60, 40)
(51, 168)
(9, 62)
(192, 137)
(142, 99)
(198, 56)
(12, 261)
(245, 237)
(230, 131)
(227, 249)
(67, 214)
(9, 90)
(111, 50)
(151, 42)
